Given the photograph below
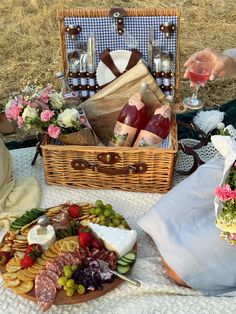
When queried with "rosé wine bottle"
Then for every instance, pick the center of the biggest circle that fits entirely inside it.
(130, 120)
(157, 128)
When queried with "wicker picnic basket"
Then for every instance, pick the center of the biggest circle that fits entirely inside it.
(144, 169)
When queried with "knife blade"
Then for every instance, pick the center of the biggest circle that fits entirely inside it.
(150, 48)
(90, 54)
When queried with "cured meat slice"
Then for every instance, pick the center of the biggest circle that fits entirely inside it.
(60, 262)
(67, 258)
(52, 276)
(45, 291)
(54, 268)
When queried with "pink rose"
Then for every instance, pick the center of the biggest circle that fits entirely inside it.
(12, 112)
(223, 193)
(46, 115)
(44, 97)
(54, 131)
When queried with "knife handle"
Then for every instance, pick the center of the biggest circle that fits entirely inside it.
(130, 280)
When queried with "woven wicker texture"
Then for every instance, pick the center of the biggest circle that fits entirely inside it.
(157, 178)
(157, 293)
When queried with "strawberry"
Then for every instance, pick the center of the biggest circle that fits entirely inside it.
(5, 257)
(74, 210)
(26, 261)
(97, 244)
(85, 237)
(33, 251)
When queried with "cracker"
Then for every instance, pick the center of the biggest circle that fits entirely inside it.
(13, 261)
(25, 232)
(21, 237)
(11, 283)
(50, 253)
(12, 268)
(22, 276)
(53, 249)
(28, 274)
(18, 255)
(28, 225)
(24, 287)
(46, 258)
(57, 245)
(37, 266)
(42, 262)
(9, 276)
(55, 209)
(33, 270)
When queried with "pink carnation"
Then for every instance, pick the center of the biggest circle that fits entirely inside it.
(223, 193)
(54, 131)
(46, 115)
(12, 112)
(20, 122)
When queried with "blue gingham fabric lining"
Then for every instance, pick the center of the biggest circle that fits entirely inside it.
(137, 27)
(106, 36)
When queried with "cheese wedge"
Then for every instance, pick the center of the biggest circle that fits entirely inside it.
(35, 236)
(120, 241)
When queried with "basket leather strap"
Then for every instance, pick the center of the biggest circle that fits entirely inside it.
(137, 168)
(134, 59)
(190, 150)
(106, 58)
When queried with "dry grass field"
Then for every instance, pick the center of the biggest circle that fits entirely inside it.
(30, 44)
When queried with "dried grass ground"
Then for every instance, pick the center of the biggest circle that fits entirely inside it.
(29, 46)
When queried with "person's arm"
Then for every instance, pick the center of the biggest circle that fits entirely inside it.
(223, 64)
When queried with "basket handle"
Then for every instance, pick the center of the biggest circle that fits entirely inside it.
(190, 150)
(137, 168)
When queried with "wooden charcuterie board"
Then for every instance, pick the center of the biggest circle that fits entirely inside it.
(61, 297)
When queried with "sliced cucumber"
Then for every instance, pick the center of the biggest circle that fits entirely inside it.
(123, 269)
(131, 256)
(121, 262)
(126, 260)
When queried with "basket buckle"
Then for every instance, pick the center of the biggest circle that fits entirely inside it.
(117, 14)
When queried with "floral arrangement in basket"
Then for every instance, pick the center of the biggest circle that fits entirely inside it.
(42, 109)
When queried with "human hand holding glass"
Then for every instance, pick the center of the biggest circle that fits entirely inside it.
(199, 70)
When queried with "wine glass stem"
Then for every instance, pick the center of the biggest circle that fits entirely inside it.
(194, 94)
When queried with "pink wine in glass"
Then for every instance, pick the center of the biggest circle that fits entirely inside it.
(198, 78)
(199, 69)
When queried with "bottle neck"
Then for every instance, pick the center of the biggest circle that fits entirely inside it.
(65, 89)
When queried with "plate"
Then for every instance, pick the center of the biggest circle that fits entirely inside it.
(120, 58)
(62, 298)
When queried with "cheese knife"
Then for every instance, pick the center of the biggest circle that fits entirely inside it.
(150, 48)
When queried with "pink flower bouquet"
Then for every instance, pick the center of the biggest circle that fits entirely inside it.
(226, 197)
(42, 110)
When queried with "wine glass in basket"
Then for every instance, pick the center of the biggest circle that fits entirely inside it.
(198, 71)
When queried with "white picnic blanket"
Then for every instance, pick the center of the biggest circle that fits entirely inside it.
(157, 293)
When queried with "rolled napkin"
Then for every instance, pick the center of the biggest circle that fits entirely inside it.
(16, 196)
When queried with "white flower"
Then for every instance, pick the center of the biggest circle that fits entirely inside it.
(68, 118)
(208, 120)
(29, 112)
(220, 125)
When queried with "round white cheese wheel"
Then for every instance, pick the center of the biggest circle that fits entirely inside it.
(36, 235)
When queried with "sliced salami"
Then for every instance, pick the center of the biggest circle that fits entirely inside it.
(51, 275)
(54, 268)
(45, 291)
(67, 258)
(60, 262)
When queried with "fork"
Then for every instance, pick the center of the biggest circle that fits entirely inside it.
(105, 268)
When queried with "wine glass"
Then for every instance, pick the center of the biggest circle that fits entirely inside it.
(199, 70)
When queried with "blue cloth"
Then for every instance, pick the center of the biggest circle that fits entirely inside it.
(182, 226)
